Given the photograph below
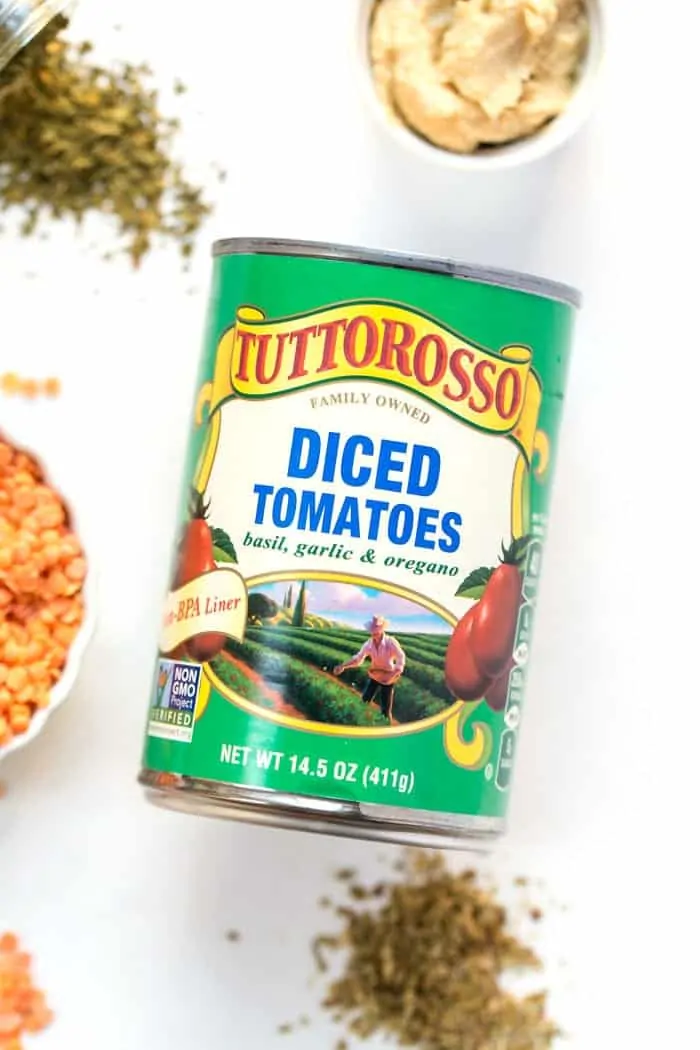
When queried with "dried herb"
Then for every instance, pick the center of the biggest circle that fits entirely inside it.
(287, 1027)
(317, 947)
(345, 874)
(425, 965)
(77, 138)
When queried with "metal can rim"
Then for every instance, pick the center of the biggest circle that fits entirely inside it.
(27, 20)
(503, 278)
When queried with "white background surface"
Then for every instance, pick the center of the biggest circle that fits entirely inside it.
(126, 907)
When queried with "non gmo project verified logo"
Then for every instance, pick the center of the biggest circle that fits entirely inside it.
(175, 702)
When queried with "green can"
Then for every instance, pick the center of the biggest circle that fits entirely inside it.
(347, 635)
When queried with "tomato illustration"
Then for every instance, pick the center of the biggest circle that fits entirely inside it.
(495, 621)
(196, 557)
(204, 647)
(463, 676)
(479, 656)
(496, 695)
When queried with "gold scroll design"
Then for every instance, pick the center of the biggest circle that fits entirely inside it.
(230, 380)
(214, 603)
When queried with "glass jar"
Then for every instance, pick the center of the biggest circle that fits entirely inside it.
(21, 20)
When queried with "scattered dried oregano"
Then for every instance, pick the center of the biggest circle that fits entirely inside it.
(76, 138)
(425, 962)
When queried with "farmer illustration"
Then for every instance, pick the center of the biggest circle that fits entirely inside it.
(387, 663)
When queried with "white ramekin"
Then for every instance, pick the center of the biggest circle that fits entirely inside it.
(57, 475)
(514, 154)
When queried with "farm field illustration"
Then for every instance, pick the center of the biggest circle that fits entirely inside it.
(299, 632)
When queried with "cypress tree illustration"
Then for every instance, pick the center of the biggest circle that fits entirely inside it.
(299, 617)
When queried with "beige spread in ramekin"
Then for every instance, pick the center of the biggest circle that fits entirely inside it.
(471, 73)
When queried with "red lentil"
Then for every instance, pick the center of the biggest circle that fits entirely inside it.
(21, 386)
(42, 572)
(22, 1005)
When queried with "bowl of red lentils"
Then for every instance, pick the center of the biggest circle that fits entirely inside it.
(45, 596)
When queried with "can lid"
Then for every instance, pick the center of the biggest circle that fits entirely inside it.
(21, 20)
(511, 279)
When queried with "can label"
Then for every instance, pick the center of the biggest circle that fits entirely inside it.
(355, 576)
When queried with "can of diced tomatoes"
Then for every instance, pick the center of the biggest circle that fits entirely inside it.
(347, 635)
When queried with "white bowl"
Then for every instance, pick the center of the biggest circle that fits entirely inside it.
(59, 479)
(513, 154)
